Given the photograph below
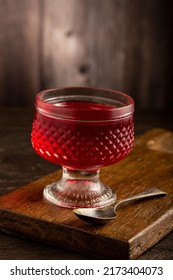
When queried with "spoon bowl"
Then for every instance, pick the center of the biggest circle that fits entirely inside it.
(105, 214)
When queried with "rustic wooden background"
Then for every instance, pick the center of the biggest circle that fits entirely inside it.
(120, 44)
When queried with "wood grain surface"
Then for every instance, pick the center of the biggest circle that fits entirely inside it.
(111, 44)
(137, 227)
(15, 148)
(19, 52)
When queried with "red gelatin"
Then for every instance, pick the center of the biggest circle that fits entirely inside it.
(80, 143)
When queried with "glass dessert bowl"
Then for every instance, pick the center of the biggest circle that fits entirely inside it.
(83, 130)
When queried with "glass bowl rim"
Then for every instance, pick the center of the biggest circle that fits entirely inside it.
(50, 109)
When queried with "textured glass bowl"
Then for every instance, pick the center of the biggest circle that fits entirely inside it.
(83, 130)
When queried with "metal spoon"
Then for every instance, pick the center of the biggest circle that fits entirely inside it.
(105, 214)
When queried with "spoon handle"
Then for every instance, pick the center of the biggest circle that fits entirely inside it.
(149, 193)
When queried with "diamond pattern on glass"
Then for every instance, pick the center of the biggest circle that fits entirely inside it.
(82, 145)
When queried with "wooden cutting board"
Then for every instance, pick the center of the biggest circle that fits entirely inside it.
(137, 227)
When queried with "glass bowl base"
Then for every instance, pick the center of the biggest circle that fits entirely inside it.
(72, 197)
(75, 192)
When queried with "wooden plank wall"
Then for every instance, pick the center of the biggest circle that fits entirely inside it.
(19, 51)
(120, 44)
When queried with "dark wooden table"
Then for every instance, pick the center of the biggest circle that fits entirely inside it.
(19, 165)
